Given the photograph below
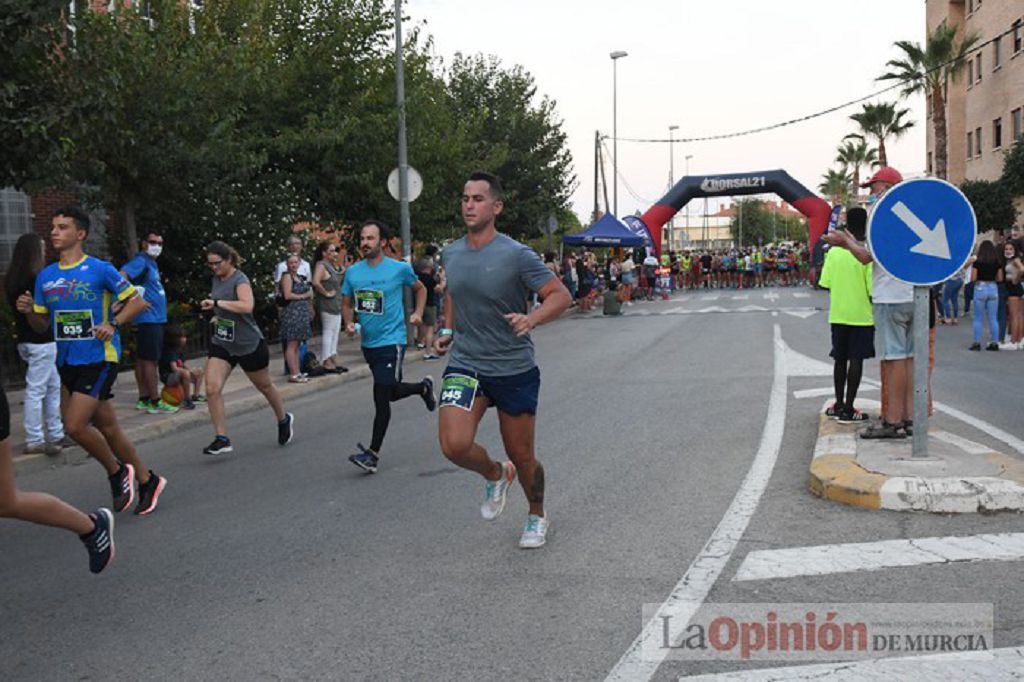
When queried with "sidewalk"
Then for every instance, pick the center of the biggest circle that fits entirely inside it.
(239, 397)
(959, 476)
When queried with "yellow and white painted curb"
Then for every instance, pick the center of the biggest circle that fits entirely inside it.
(836, 475)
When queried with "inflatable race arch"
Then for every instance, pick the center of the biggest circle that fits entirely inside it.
(778, 182)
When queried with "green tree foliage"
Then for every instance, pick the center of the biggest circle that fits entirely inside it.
(1013, 169)
(759, 226)
(880, 122)
(992, 202)
(836, 185)
(852, 154)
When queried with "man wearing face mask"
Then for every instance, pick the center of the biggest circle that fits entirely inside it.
(143, 273)
(893, 309)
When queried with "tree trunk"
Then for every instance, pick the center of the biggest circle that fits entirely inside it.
(131, 237)
(941, 136)
(883, 160)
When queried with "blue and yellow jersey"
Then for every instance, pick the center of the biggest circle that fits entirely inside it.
(78, 297)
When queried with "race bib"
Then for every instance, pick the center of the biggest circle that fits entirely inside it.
(459, 390)
(224, 330)
(370, 302)
(73, 325)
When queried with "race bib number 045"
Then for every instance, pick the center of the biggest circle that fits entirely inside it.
(73, 325)
(370, 302)
(459, 390)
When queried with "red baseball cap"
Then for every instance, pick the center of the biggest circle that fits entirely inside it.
(884, 174)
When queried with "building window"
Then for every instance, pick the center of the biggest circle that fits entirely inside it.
(997, 53)
(929, 163)
(997, 133)
(977, 142)
(970, 74)
(970, 145)
(1016, 124)
(15, 220)
(1018, 36)
(977, 68)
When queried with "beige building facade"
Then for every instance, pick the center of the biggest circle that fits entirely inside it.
(985, 108)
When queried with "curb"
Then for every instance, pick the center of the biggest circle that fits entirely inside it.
(184, 421)
(835, 475)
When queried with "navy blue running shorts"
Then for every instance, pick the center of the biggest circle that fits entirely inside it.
(514, 395)
(149, 341)
(385, 363)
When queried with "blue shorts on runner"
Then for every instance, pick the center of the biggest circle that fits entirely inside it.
(385, 363)
(514, 395)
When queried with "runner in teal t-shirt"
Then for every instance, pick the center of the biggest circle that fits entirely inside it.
(74, 296)
(373, 287)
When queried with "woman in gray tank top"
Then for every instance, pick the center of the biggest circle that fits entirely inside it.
(327, 277)
(235, 339)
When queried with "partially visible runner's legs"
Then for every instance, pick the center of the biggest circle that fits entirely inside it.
(95, 530)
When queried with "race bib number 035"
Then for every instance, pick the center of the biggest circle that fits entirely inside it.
(73, 325)
(459, 390)
(370, 302)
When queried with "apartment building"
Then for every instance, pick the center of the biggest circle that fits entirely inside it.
(985, 108)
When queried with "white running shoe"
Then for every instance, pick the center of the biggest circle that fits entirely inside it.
(496, 492)
(535, 532)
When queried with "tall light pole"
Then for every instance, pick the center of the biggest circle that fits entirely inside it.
(671, 181)
(616, 56)
(687, 159)
(403, 153)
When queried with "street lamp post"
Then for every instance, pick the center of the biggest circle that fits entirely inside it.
(688, 157)
(403, 156)
(616, 56)
(671, 181)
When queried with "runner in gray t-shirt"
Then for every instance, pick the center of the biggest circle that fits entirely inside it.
(490, 280)
(235, 339)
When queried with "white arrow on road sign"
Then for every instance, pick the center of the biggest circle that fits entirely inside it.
(933, 242)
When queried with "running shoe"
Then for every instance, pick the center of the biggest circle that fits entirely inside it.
(366, 459)
(992, 346)
(852, 416)
(187, 404)
(285, 429)
(219, 446)
(199, 398)
(535, 532)
(975, 346)
(153, 407)
(833, 410)
(496, 492)
(100, 542)
(122, 487)
(142, 405)
(161, 406)
(429, 399)
(149, 494)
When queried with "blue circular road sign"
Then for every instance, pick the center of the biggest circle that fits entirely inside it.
(922, 231)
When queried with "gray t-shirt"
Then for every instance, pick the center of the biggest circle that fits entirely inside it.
(485, 285)
(236, 333)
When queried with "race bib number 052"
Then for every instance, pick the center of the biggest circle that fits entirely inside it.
(73, 325)
(370, 302)
(459, 390)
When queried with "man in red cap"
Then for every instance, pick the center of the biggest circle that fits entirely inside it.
(893, 308)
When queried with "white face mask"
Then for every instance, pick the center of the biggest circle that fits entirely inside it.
(154, 250)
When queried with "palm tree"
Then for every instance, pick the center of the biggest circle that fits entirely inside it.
(879, 122)
(856, 153)
(836, 185)
(930, 71)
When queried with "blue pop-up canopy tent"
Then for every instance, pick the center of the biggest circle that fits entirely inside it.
(608, 231)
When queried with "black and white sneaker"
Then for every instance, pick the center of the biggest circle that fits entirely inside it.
(122, 487)
(149, 494)
(100, 542)
(285, 429)
(366, 459)
(429, 399)
(221, 445)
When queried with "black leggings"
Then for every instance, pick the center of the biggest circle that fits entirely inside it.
(383, 396)
(847, 380)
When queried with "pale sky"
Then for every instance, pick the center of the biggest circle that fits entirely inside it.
(708, 66)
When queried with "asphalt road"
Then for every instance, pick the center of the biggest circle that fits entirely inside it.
(288, 563)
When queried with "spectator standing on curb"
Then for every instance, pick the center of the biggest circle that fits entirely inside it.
(295, 317)
(986, 274)
(893, 311)
(850, 315)
(1013, 271)
(38, 350)
(426, 271)
(293, 247)
(951, 297)
(327, 276)
(236, 340)
(143, 272)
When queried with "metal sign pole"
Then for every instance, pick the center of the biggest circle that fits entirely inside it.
(922, 300)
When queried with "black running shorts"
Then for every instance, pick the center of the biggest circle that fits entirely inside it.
(253, 362)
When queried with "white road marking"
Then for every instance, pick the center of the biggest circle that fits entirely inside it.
(799, 294)
(874, 556)
(709, 297)
(802, 313)
(740, 297)
(751, 309)
(772, 296)
(994, 431)
(775, 313)
(640, 662)
(994, 664)
(825, 391)
(968, 446)
(713, 309)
